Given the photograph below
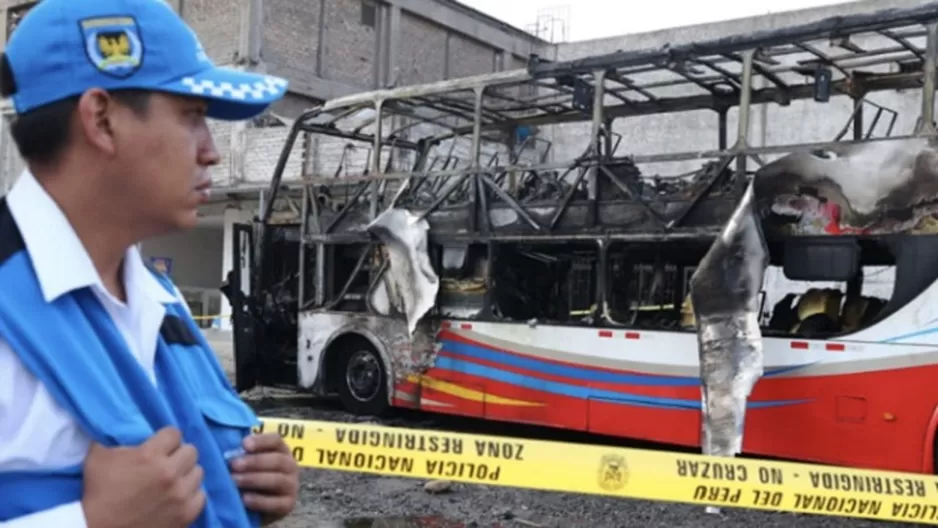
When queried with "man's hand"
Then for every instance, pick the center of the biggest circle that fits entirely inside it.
(268, 475)
(157, 484)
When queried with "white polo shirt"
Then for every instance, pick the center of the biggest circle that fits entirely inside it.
(34, 431)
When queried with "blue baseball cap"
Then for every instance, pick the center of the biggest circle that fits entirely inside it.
(62, 48)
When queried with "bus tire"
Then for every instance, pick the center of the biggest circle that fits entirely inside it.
(361, 378)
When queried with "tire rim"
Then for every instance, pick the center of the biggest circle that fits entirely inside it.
(363, 376)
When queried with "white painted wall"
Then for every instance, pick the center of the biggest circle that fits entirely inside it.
(196, 254)
(196, 268)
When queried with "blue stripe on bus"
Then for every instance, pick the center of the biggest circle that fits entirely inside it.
(580, 392)
(579, 373)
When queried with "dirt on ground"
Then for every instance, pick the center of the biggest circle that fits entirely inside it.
(333, 499)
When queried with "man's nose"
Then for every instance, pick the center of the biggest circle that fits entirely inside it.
(208, 154)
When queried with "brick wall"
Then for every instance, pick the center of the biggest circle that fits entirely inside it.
(332, 39)
(221, 133)
(423, 55)
(338, 41)
(335, 40)
(218, 25)
(263, 149)
(11, 164)
(468, 57)
(290, 41)
(350, 53)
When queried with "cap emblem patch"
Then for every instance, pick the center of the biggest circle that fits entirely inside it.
(113, 45)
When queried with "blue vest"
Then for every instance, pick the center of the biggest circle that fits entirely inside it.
(73, 347)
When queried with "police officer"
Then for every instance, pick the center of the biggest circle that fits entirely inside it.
(114, 411)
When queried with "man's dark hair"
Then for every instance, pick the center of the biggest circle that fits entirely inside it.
(42, 134)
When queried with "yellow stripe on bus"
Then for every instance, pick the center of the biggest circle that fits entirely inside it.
(465, 393)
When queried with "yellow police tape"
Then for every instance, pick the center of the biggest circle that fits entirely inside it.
(611, 471)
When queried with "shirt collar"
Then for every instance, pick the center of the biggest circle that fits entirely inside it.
(58, 256)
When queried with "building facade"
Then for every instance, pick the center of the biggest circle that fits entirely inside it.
(326, 48)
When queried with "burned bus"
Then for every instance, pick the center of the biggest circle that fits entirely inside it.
(464, 254)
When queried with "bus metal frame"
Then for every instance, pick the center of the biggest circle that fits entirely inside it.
(736, 71)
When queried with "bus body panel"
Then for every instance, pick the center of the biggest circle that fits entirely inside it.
(814, 396)
(875, 387)
(402, 355)
(644, 385)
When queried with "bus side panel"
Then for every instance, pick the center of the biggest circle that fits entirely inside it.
(316, 331)
(451, 395)
(510, 392)
(405, 357)
(865, 405)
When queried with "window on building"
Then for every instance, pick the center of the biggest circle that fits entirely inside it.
(369, 13)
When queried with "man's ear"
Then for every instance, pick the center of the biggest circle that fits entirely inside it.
(95, 119)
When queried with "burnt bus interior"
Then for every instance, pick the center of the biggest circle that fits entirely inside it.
(519, 235)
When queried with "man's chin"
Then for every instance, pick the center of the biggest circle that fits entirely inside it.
(186, 220)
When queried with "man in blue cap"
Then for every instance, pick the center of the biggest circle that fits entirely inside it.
(114, 411)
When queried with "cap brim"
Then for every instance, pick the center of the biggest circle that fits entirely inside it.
(233, 95)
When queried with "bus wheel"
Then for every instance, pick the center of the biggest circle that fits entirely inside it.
(362, 379)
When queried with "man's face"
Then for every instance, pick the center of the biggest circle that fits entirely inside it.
(162, 159)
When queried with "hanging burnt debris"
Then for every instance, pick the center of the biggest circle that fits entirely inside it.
(872, 188)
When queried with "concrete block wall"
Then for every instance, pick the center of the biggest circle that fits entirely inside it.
(221, 133)
(330, 48)
(306, 41)
(468, 57)
(218, 25)
(290, 40)
(770, 124)
(333, 47)
(11, 164)
(264, 146)
(426, 58)
(427, 51)
(350, 55)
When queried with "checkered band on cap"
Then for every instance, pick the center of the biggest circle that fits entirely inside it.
(260, 90)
